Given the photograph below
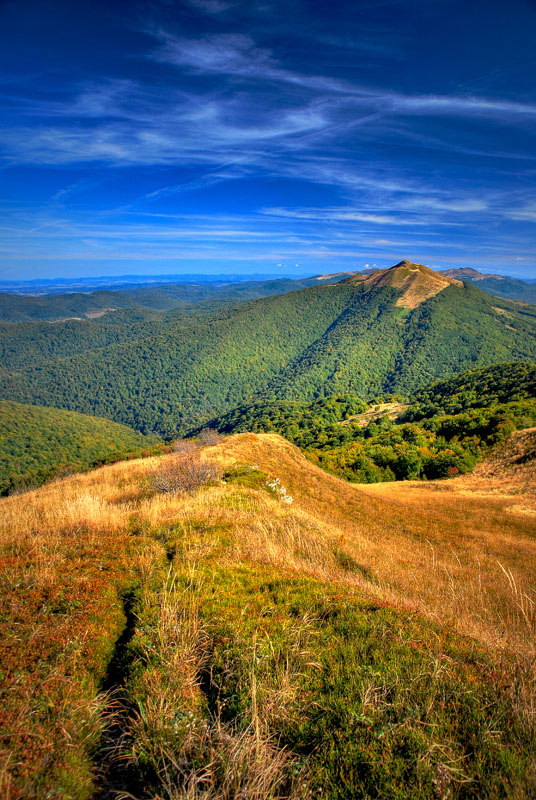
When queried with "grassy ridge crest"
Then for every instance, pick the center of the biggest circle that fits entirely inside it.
(251, 642)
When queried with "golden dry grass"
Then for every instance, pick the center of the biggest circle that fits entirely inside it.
(465, 560)
(462, 558)
(442, 548)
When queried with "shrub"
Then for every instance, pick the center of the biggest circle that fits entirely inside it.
(208, 437)
(184, 446)
(185, 473)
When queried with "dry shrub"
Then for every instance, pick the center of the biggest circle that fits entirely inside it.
(209, 437)
(184, 474)
(185, 446)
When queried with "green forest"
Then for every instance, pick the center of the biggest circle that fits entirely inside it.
(447, 428)
(37, 444)
(170, 373)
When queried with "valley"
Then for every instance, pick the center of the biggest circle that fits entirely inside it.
(170, 375)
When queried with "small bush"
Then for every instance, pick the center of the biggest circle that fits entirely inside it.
(184, 474)
(208, 437)
(185, 446)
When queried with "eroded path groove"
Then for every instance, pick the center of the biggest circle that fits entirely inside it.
(114, 775)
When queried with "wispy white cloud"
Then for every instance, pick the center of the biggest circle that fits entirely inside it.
(125, 122)
(190, 132)
(456, 204)
(340, 215)
(459, 142)
(437, 105)
(372, 42)
(525, 214)
(232, 110)
(236, 55)
(264, 238)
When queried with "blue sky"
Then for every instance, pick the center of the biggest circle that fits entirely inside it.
(271, 137)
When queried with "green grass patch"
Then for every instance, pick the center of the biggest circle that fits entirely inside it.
(365, 700)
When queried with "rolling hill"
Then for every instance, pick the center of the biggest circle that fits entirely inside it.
(95, 304)
(366, 335)
(38, 443)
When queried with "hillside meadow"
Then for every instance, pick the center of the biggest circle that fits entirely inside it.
(290, 638)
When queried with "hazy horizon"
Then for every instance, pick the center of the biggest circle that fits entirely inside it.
(95, 282)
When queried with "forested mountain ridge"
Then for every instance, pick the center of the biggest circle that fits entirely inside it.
(92, 305)
(186, 372)
(378, 346)
(173, 375)
(31, 343)
(499, 285)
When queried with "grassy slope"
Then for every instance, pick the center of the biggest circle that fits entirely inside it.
(275, 645)
(37, 443)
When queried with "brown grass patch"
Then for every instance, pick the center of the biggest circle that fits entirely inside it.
(71, 547)
(436, 550)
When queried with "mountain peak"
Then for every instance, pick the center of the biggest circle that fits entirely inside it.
(471, 274)
(416, 282)
(408, 264)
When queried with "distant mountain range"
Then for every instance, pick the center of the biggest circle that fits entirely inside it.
(91, 298)
(165, 297)
(499, 285)
(390, 331)
(47, 286)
